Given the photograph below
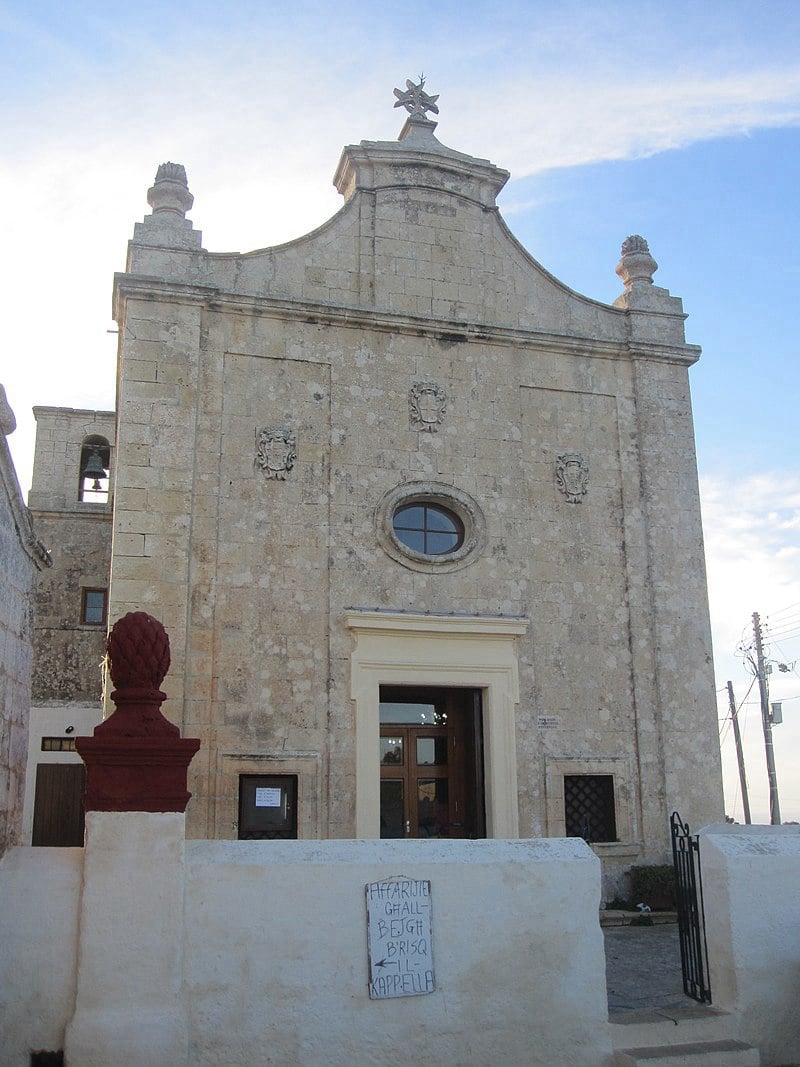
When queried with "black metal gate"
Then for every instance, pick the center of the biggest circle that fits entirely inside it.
(691, 915)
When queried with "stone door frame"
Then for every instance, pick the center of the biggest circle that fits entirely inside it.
(447, 651)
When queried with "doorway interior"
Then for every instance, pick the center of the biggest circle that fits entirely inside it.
(431, 763)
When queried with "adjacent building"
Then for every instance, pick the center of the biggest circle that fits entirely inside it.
(22, 558)
(71, 503)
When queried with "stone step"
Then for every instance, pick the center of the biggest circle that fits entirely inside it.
(671, 1026)
(633, 918)
(728, 1053)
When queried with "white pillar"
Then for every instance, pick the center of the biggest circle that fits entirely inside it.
(129, 1007)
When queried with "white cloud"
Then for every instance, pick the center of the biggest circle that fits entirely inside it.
(753, 565)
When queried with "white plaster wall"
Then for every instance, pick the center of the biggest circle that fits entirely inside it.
(752, 907)
(276, 954)
(129, 1003)
(269, 964)
(40, 896)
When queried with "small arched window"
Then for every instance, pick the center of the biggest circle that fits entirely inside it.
(95, 468)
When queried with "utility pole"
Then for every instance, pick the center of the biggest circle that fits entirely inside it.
(761, 674)
(737, 737)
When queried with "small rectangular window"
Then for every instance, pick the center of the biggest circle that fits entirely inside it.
(589, 810)
(93, 612)
(267, 806)
(58, 744)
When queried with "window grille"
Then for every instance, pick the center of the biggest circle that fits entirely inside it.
(589, 807)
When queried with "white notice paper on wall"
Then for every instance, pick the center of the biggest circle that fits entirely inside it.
(268, 798)
(399, 938)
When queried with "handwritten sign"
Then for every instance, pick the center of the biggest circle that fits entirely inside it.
(399, 938)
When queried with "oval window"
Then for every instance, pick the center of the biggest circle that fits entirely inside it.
(430, 526)
(427, 528)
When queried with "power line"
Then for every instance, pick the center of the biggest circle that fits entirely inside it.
(783, 610)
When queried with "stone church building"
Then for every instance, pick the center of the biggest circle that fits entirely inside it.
(421, 522)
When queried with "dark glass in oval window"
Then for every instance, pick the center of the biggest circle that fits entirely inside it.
(428, 528)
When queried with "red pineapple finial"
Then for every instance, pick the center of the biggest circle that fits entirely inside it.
(137, 760)
(138, 652)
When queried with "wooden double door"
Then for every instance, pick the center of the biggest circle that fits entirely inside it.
(431, 763)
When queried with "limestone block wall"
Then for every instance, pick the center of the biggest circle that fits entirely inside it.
(56, 464)
(22, 557)
(67, 651)
(16, 636)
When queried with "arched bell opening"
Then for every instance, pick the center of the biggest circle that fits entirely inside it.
(95, 469)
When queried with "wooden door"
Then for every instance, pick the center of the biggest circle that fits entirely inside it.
(430, 782)
(58, 817)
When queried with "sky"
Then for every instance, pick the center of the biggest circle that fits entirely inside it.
(679, 121)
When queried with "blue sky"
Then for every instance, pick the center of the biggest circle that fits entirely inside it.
(678, 121)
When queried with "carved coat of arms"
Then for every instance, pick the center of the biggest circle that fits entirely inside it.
(276, 452)
(572, 476)
(427, 405)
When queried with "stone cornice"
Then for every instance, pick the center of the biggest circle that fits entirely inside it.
(364, 620)
(96, 514)
(456, 331)
(23, 522)
(379, 165)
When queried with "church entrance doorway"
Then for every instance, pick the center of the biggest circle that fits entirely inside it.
(431, 763)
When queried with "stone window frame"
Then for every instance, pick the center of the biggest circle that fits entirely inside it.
(306, 766)
(621, 770)
(445, 496)
(85, 593)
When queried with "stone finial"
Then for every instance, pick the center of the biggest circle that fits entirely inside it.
(137, 760)
(170, 192)
(8, 422)
(418, 128)
(415, 100)
(636, 267)
(138, 652)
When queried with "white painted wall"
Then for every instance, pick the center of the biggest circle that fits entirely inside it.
(276, 954)
(40, 897)
(751, 881)
(147, 950)
(252, 952)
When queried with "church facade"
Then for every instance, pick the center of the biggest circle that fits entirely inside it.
(422, 523)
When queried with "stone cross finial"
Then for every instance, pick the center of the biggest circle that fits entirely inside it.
(636, 267)
(415, 100)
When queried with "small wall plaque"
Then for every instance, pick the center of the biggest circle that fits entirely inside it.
(268, 798)
(548, 722)
(399, 938)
